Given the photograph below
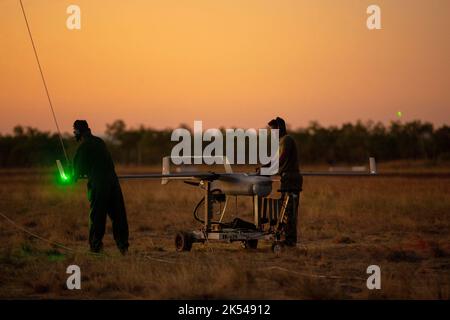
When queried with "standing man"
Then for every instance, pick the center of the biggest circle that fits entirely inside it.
(93, 160)
(291, 179)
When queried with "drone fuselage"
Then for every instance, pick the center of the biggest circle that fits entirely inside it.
(243, 185)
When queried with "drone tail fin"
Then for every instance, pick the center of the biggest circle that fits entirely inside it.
(165, 169)
(372, 166)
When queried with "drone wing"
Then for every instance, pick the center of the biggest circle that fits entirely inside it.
(166, 175)
(172, 176)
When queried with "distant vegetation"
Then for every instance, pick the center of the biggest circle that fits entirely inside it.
(349, 143)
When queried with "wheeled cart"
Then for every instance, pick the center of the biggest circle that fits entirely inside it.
(268, 225)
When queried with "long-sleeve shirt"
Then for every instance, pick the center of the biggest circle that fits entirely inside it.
(288, 158)
(289, 165)
(93, 160)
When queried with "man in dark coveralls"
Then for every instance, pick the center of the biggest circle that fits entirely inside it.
(93, 160)
(291, 179)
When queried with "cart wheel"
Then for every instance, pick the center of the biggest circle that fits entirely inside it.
(277, 248)
(250, 244)
(183, 241)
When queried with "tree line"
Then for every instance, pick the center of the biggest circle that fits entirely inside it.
(349, 143)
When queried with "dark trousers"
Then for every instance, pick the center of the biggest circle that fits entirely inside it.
(106, 198)
(291, 217)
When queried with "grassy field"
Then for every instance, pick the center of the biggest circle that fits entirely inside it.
(345, 225)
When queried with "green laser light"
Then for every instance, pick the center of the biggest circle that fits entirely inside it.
(62, 174)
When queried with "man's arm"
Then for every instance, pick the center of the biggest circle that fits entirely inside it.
(282, 156)
(78, 169)
(284, 151)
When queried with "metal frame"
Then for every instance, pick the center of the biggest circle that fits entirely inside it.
(208, 232)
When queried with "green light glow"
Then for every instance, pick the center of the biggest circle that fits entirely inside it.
(63, 178)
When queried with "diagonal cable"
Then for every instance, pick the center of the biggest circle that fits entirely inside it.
(45, 84)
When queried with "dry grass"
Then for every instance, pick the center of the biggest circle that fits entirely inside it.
(346, 224)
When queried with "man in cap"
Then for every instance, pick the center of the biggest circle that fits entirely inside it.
(291, 179)
(92, 159)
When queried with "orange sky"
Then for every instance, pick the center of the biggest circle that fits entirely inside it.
(226, 62)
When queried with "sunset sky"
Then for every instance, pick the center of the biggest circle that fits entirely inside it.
(227, 62)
